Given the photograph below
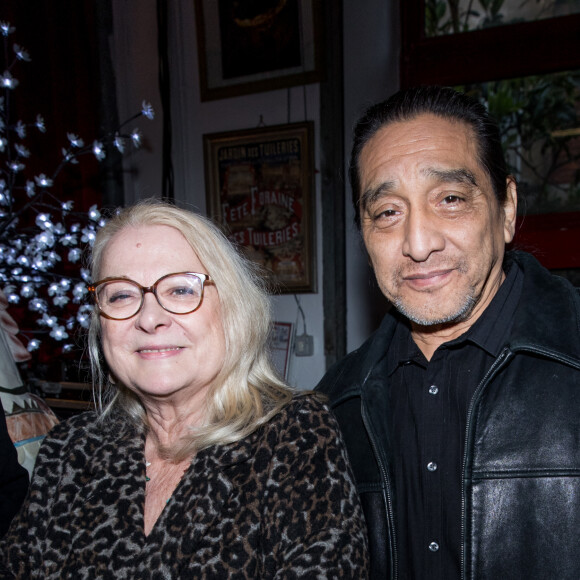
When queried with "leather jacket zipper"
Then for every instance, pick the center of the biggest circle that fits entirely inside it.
(389, 506)
(499, 362)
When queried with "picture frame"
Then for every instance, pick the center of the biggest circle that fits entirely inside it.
(242, 49)
(260, 188)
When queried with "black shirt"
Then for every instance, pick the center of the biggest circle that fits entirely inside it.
(429, 403)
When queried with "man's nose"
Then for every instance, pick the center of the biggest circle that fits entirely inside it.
(422, 235)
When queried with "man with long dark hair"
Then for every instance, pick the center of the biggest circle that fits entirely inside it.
(461, 412)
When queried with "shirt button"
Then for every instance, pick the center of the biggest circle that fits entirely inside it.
(433, 390)
(433, 546)
(432, 466)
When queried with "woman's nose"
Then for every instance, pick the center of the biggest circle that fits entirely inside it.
(152, 315)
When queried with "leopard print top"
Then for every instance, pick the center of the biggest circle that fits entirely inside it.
(279, 504)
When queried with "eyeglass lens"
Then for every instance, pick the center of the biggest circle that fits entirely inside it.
(178, 293)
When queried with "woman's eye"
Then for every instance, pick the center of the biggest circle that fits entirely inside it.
(182, 291)
(120, 297)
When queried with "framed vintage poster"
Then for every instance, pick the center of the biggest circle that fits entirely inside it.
(247, 47)
(260, 187)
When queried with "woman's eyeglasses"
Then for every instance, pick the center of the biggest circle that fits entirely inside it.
(121, 298)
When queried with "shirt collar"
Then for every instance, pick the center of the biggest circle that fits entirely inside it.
(491, 329)
(403, 349)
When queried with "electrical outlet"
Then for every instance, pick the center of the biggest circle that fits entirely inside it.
(304, 345)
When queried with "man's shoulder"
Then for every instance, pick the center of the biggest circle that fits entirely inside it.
(538, 279)
(547, 315)
(343, 375)
(556, 294)
(345, 378)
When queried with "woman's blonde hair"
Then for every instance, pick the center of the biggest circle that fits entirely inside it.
(247, 392)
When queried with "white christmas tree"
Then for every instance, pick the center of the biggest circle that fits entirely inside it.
(39, 231)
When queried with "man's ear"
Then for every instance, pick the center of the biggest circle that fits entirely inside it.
(510, 209)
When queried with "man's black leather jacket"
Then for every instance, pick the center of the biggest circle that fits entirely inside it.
(521, 486)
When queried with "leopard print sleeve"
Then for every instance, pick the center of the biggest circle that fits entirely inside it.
(314, 527)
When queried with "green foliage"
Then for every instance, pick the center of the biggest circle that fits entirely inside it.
(453, 16)
(533, 112)
(435, 22)
(537, 117)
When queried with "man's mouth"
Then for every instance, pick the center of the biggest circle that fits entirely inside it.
(427, 279)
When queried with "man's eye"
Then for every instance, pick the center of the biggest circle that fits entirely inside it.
(386, 213)
(448, 199)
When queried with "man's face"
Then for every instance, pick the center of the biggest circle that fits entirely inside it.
(431, 223)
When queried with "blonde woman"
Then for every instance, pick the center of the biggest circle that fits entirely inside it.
(200, 461)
